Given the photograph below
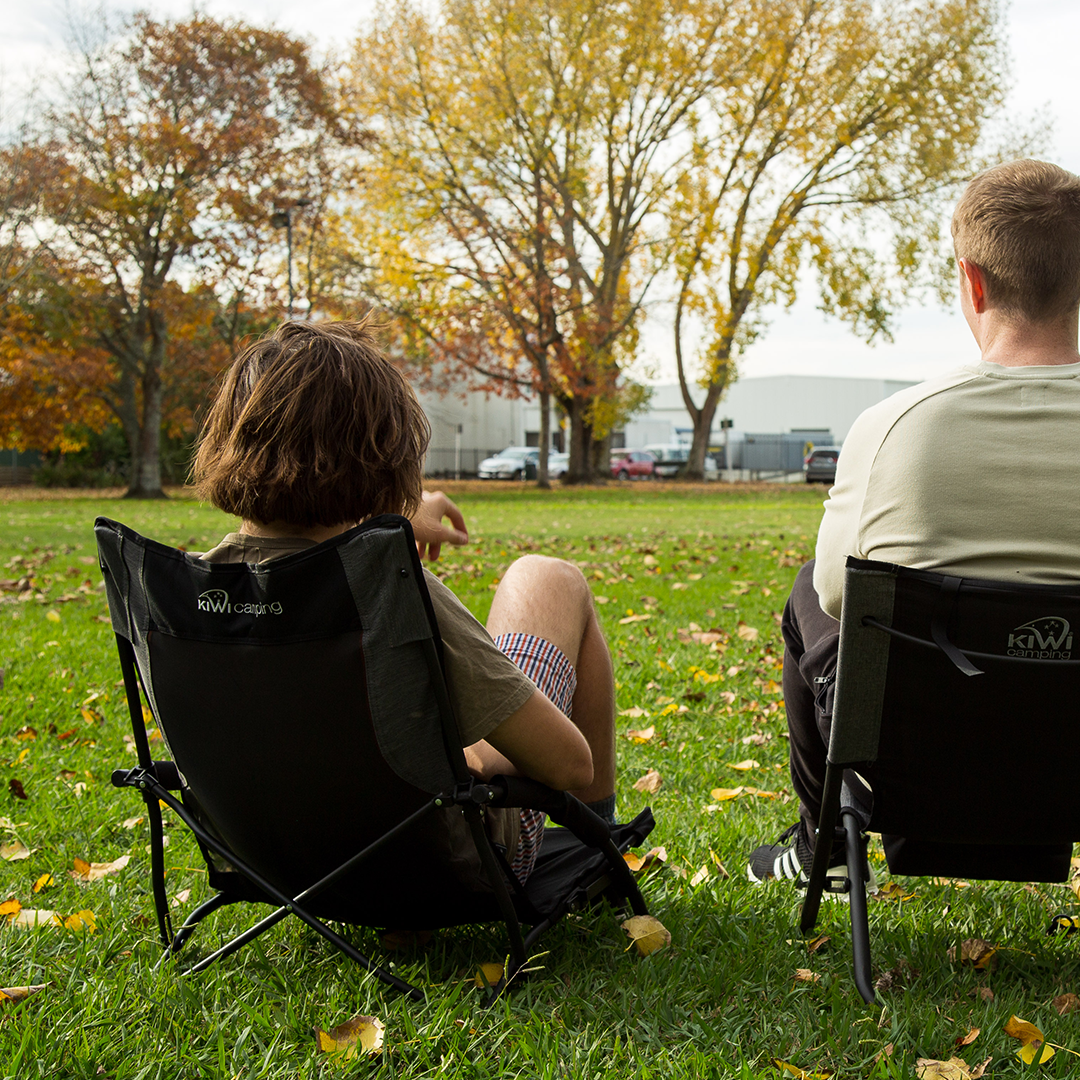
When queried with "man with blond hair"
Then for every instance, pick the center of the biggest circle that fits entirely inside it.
(976, 473)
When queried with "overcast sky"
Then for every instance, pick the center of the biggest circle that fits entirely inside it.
(1043, 37)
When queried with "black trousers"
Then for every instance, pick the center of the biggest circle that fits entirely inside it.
(811, 642)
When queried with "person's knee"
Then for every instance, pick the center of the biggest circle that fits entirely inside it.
(549, 576)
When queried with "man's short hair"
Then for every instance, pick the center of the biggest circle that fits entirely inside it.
(313, 425)
(1020, 224)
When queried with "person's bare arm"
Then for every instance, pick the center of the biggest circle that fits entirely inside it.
(538, 741)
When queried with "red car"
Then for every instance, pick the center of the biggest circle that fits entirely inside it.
(632, 464)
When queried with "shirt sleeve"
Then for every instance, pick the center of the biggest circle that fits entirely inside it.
(485, 685)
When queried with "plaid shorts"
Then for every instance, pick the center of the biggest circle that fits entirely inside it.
(554, 675)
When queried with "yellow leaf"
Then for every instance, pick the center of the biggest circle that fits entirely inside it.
(953, 1069)
(723, 793)
(642, 735)
(893, 890)
(706, 677)
(10, 908)
(744, 766)
(26, 732)
(643, 862)
(647, 934)
(360, 1034)
(1033, 1045)
(91, 716)
(52, 615)
(14, 850)
(81, 920)
(14, 994)
(46, 881)
(650, 782)
(800, 1074)
(488, 975)
(85, 872)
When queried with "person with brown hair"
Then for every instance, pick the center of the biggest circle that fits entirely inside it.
(976, 473)
(313, 431)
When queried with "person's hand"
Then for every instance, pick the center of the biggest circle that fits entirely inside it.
(428, 527)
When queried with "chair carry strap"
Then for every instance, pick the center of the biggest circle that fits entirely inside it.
(939, 626)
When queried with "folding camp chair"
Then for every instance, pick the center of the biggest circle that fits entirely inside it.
(316, 754)
(950, 694)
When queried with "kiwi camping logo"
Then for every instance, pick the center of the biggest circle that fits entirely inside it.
(1048, 638)
(217, 601)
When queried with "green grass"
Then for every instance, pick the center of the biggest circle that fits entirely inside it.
(722, 1001)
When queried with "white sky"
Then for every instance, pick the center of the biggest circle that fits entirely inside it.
(1043, 36)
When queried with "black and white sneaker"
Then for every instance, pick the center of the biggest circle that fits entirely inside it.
(789, 859)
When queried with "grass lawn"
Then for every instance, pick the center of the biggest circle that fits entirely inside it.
(666, 564)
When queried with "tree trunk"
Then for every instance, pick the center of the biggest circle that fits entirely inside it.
(585, 454)
(146, 454)
(542, 479)
(703, 418)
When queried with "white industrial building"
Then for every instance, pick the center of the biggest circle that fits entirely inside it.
(467, 427)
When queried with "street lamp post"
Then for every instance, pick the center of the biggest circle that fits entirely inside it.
(281, 218)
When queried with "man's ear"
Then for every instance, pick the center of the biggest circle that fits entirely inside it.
(973, 280)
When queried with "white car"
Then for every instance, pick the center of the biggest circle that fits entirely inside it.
(520, 462)
(671, 461)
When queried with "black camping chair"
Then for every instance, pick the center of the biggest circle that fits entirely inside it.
(315, 752)
(938, 681)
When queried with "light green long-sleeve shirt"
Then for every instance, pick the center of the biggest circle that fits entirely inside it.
(976, 473)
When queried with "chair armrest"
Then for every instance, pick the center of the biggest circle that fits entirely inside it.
(562, 807)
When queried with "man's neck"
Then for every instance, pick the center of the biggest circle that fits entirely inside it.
(275, 529)
(1012, 343)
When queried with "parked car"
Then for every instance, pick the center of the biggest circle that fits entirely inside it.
(819, 466)
(632, 464)
(671, 461)
(520, 463)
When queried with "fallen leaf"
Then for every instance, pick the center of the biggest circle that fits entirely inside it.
(643, 735)
(721, 794)
(819, 942)
(46, 881)
(1066, 1003)
(747, 633)
(984, 993)
(26, 732)
(893, 890)
(969, 1038)
(85, 872)
(1033, 1045)
(650, 782)
(361, 1034)
(53, 615)
(638, 863)
(980, 954)
(81, 920)
(131, 822)
(633, 618)
(14, 850)
(635, 711)
(488, 975)
(12, 995)
(800, 1074)
(27, 918)
(805, 975)
(953, 1069)
(647, 934)
(702, 875)
(10, 908)
(16, 789)
(719, 865)
(744, 766)
(181, 897)
(92, 716)
(885, 1052)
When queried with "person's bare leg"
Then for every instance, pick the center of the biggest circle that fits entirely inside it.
(551, 599)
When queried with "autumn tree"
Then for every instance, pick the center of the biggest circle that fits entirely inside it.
(516, 194)
(159, 167)
(836, 151)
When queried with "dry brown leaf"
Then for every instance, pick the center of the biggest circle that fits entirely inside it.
(642, 735)
(885, 1052)
(819, 942)
(980, 954)
(634, 711)
(647, 934)
(85, 872)
(14, 850)
(1066, 1003)
(893, 890)
(701, 875)
(805, 975)
(131, 822)
(361, 1034)
(969, 1038)
(747, 633)
(650, 782)
(653, 857)
(1033, 1045)
(978, 1070)
(633, 618)
(13, 995)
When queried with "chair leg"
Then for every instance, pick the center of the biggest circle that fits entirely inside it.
(830, 808)
(172, 950)
(860, 928)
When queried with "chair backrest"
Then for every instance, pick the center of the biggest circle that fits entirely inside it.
(957, 699)
(303, 702)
